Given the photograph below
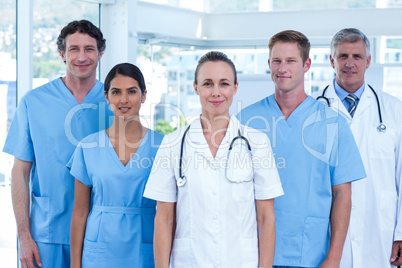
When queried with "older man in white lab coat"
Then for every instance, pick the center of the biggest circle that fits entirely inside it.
(374, 238)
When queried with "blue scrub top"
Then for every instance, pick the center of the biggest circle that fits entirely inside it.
(120, 226)
(48, 125)
(314, 150)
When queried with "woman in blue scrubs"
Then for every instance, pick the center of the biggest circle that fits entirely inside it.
(112, 223)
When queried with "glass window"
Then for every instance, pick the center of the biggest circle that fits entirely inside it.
(8, 70)
(391, 50)
(197, 5)
(393, 81)
(274, 5)
(48, 20)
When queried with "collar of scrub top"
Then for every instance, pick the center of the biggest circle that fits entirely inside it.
(343, 93)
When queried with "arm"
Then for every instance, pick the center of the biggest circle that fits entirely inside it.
(340, 216)
(82, 200)
(266, 232)
(20, 195)
(165, 225)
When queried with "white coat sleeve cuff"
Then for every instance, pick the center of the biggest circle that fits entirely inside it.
(269, 193)
(160, 196)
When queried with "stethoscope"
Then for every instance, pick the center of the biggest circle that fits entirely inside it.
(181, 180)
(381, 127)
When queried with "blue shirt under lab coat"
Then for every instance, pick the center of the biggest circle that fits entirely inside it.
(48, 125)
(314, 150)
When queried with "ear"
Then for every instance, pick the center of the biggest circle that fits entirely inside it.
(368, 62)
(144, 96)
(107, 100)
(61, 53)
(100, 55)
(332, 60)
(235, 88)
(195, 88)
(269, 63)
(307, 65)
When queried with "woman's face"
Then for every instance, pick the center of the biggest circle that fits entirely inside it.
(125, 97)
(216, 87)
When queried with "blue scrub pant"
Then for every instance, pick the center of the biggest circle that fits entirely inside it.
(54, 255)
(280, 266)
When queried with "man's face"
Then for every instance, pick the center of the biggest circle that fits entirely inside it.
(81, 56)
(350, 62)
(287, 67)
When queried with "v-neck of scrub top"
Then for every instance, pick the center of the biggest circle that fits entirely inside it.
(115, 157)
(285, 126)
(196, 136)
(88, 98)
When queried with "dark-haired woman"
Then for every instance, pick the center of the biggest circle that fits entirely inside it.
(112, 223)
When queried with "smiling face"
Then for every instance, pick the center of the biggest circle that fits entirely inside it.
(287, 67)
(81, 56)
(350, 62)
(216, 88)
(125, 97)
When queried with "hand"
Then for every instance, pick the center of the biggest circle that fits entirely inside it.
(396, 250)
(329, 263)
(29, 253)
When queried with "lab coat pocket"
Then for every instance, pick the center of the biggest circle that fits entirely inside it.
(147, 255)
(388, 210)
(40, 217)
(94, 254)
(315, 240)
(381, 144)
(250, 252)
(242, 191)
(181, 253)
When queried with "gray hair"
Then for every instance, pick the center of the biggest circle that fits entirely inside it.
(349, 35)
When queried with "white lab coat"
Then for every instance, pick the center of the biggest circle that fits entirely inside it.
(376, 218)
(215, 219)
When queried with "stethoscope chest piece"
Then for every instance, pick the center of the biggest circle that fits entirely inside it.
(181, 181)
(382, 128)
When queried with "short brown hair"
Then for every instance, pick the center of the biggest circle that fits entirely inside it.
(291, 36)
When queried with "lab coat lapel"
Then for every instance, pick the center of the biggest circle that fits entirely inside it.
(336, 103)
(197, 141)
(364, 102)
(200, 145)
(231, 133)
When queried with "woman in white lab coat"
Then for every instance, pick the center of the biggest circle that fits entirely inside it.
(211, 198)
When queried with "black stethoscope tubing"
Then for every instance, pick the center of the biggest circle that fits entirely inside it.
(381, 127)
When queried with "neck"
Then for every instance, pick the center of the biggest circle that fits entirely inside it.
(129, 129)
(289, 101)
(79, 88)
(215, 123)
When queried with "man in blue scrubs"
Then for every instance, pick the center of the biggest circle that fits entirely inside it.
(49, 123)
(316, 156)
